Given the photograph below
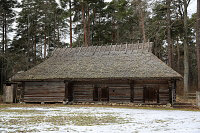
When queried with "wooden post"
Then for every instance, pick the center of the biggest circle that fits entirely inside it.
(70, 92)
(99, 93)
(126, 48)
(23, 91)
(132, 91)
(158, 95)
(66, 91)
(144, 94)
(170, 91)
(198, 98)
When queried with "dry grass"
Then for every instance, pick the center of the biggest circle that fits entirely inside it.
(78, 120)
(185, 100)
(19, 111)
(25, 122)
(109, 106)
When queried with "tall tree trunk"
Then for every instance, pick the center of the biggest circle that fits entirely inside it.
(88, 26)
(198, 41)
(143, 26)
(178, 56)
(169, 41)
(94, 12)
(28, 31)
(70, 21)
(142, 20)
(3, 37)
(186, 54)
(113, 31)
(58, 37)
(84, 25)
(35, 48)
(99, 37)
(45, 45)
(5, 33)
(117, 36)
(54, 31)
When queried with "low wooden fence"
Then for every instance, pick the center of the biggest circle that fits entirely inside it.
(191, 95)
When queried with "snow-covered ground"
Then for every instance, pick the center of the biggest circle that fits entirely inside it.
(98, 120)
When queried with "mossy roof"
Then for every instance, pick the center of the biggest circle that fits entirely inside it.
(129, 61)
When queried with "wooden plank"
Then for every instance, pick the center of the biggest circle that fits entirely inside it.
(132, 91)
(152, 82)
(83, 92)
(41, 91)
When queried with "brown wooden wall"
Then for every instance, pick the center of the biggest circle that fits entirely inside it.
(82, 92)
(44, 91)
(161, 87)
(116, 92)
(137, 91)
(119, 92)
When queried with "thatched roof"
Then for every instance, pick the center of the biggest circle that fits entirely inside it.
(126, 61)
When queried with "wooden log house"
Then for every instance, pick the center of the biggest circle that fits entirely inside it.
(113, 73)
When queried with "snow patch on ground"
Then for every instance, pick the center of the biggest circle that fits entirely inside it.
(128, 120)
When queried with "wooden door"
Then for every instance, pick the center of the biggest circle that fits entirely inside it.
(100, 93)
(151, 95)
(96, 93)
(104, 94)
(70, 92)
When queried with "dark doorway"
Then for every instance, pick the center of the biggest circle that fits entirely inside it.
(69, 90)
(101, 93)
(104, 94)
(151, 95)
(96, 93)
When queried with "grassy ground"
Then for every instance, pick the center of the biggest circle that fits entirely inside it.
(28, 115)
(53, 117)
(116, 106)
(185, 100)
(78, 120)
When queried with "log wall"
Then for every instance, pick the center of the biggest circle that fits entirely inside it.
(44, 91)
(119, 92)
(92, 91)
(164, 93)
(82, 92)
(88, 91)
(162, 87)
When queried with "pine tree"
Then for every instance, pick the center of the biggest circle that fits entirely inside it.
(198, 42)
(7, 17)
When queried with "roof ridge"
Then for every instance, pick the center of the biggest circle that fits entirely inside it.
(101, 50)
